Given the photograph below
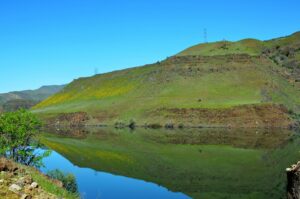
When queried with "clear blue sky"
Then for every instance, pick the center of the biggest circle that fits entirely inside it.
(44, 42)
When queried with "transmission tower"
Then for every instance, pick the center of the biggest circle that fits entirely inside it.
(205, 35)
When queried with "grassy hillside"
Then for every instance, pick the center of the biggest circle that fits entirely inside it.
(222, 83)
(26, 99)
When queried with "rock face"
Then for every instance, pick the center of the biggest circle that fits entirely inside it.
(293, 181)
(75, 119)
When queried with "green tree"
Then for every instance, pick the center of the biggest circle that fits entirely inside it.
(18, 138)
(68, 180)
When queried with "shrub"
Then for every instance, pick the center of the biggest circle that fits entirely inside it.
(68, 180)
(18, 131)
(132, 124)
(290, 111)
(181, 126)
(169, 126)
(119, 125)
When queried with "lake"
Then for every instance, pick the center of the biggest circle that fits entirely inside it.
(177, 164)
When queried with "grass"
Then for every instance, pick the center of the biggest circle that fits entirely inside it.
(246, 46)
(49, 186)
(226, 164)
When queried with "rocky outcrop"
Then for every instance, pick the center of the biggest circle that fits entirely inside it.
(75, 119)
(16, 182)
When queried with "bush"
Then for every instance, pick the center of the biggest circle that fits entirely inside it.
(18, 131)
(291, 112)
(169, 126)
(132, 124)
(181, 126)
(68, 180)
(119, 125)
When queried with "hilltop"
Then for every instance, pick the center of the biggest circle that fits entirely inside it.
(248, 83)
(27, 98)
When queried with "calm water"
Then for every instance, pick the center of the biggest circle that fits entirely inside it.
(96, 184)
(198, 163)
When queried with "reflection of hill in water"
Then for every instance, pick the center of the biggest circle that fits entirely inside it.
(237, 138)
(202, 163)
(242, 138)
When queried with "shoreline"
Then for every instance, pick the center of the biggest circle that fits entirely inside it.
(20, 181)
(297, 127)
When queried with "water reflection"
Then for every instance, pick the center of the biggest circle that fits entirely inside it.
(94, 184)
(200, 163)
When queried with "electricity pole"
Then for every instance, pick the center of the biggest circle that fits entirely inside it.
(205, 35)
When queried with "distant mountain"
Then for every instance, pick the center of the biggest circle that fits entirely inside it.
(26, 99)
(248, 83)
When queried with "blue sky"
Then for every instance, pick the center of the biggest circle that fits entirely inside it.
(44, 42)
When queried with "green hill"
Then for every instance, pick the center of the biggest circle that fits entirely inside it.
(27, 98)
(247, 83)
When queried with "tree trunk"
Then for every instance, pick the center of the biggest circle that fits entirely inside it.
(293, 181)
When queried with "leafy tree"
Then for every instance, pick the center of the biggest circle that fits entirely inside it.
(68, 180)
(18, 138)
